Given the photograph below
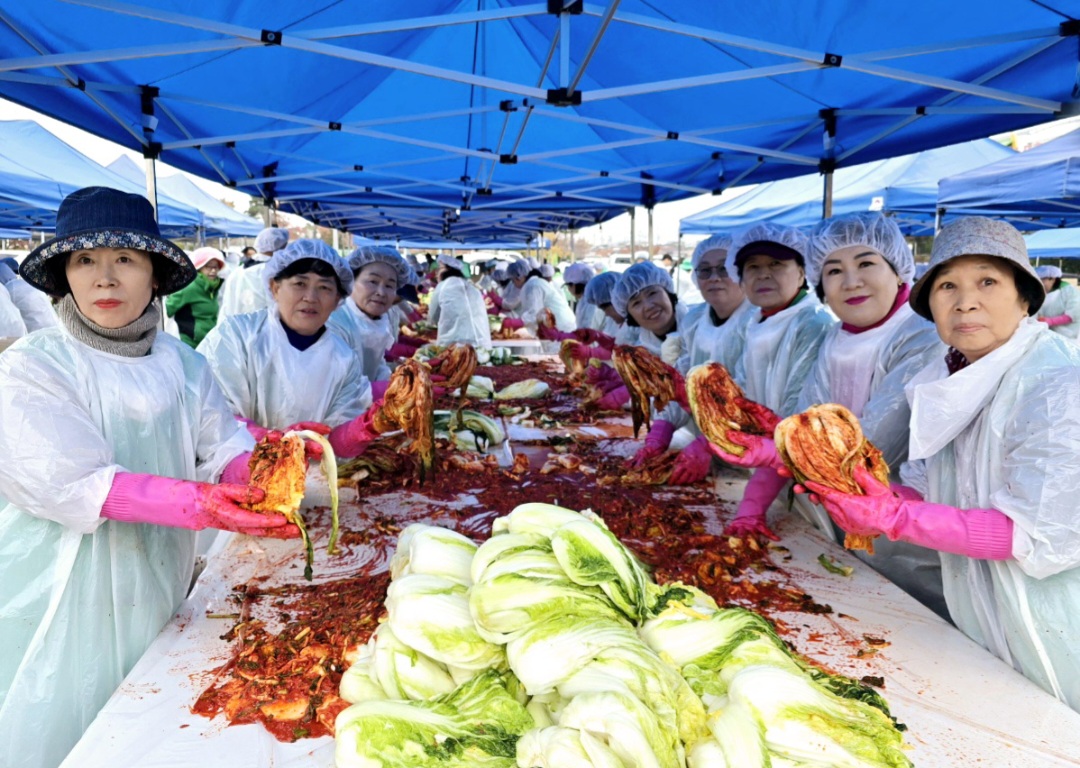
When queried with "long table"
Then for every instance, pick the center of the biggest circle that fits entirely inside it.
(962, 705)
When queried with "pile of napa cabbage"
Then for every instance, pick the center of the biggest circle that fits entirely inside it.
(550, 646)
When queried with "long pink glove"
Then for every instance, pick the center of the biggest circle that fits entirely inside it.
(398, 351)
(585, 353)
(552, 334)
(692, 464)
(760, 451)
(984, 534)
(761, 491)
(351, 438)
(591, 336)
(495, 299)
(1057, 320)
(604, 376)
(614, 400)
(136, 498)
(411, 341)
(512, 323)
(255, 430)
(656, 442)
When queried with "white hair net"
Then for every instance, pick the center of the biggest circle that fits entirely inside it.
(500, 273)
(577, 273)
(271, 240)
(383, 254)
(519, 269)
(765, 232)
(449, 261)
(309, 248)
(636, 279)
(1043, 271)
(866, 228)
(547, 271)
(533, 263)
(709, 244)
(598, 290)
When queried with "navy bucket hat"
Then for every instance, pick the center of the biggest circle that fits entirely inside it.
(102, 217)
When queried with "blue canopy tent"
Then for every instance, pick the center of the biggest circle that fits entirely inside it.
(458, 245)
(904, 187)
(1034, 189)
(15, 234)
(38, 170)
(1053, 244)
(568, 110)
(217, 217)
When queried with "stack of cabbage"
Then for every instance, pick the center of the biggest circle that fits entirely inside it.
(549, 646)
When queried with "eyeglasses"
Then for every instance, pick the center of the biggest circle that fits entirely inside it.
(704, 273)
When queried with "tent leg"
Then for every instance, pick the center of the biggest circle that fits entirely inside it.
(151, 184)
(651, 254)
(632, 241)
(827, 197)
(937, 220)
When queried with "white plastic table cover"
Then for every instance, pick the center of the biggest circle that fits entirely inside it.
(962, 705)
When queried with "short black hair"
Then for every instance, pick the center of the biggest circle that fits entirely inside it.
(633, 323)
(56, 267)
(1057, 284)
(316, 266)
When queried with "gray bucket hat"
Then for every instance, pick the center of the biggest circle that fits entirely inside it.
(979, 236)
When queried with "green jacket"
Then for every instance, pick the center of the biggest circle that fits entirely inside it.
(195, 309)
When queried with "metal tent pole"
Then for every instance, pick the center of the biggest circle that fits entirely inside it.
(632, 239)
(827, 197)
(649, 209)
(151, 184)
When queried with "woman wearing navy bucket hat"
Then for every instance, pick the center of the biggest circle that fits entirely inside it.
(118, 445)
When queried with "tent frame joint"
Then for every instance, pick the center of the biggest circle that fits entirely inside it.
(559, 7)
(832, 59)
(561, 97)
(270, 36)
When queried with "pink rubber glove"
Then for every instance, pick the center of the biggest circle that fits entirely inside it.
(604, 376)
(552, 334)
(598, 353)
(493, 310)
(398, 351)
(761, 491)
(983, 534)
(693, 463)
(495, 299)
(351, 438)
(591, 336)
(312, 450)
(378, 389)
(585, 354)
(1057, 320)
(411, 341)
(760, 451)
(656, 442)
(136, 498)
(614, 400)
(512, 323)
(256, 431)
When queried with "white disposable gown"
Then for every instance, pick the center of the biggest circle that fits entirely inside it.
(33, 305)
(458, 311)
(1063, 301)
(368, 337)
(779, 353)
(1004, 433)
(268, 380)
(81, 597)
(11, 321)
(866, 373)
(588, 315)
(245, 291)
(537, 295)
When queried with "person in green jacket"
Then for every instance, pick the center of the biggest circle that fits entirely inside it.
(195, 308)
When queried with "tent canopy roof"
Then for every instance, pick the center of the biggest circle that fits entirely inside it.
(559, 108)
(905, 187)
(1037, 188)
